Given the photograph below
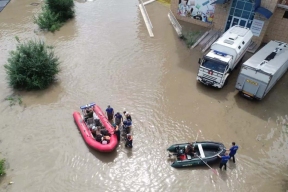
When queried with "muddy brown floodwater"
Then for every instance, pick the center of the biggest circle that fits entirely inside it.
(108, 57)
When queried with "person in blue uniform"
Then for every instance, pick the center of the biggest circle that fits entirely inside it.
(233, 151)
(127, 125)
(129, 141)
(118, 118)
(110, 113)
(224, 160)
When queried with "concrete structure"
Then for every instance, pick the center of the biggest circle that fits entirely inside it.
(268, 19)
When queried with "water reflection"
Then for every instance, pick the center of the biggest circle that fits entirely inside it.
(50, 95)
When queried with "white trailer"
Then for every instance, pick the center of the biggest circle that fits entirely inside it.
(261, 72)
(224, 55)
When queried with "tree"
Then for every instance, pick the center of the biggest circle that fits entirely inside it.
(32, 66)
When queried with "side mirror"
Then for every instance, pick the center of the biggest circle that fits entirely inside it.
(199, 61)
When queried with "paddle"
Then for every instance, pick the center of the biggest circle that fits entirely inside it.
(214, 170)
(197, 136)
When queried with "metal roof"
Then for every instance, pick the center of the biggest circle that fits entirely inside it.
(258, 62)
(234, 38)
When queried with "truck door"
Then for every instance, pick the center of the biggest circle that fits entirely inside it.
(250, 87)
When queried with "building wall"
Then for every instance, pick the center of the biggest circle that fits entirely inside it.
(277, 30)
(174, 9)
(220, 16)
(278, 27)
(270, 5)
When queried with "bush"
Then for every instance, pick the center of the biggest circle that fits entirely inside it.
(64, 8)
(48, 20)
(32, 66)
(191, 37)
(54, 14)
(2, 168)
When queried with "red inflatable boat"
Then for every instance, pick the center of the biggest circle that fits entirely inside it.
(87, 135)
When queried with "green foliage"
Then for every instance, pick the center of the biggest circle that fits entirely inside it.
(13, 99)
(54, 14)
(2, 168)
(64, 8)
(32, 66)
(48, 20)
(191, 37)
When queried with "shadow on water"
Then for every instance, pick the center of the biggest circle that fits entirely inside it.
(104, 157)
(223, 175)
(42, 97)
(284, 183)
(221, 94)
(231, 165)
(270, 105)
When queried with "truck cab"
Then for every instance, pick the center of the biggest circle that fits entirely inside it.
(223, 56)
(214, 69)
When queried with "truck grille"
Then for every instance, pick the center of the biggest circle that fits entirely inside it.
(209, 77)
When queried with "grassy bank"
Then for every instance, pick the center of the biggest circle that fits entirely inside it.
(167, 2)
(191, 37)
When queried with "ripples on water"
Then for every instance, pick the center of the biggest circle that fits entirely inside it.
(108, 57)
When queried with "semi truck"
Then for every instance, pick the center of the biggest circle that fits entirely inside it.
(262, 71)
(223, 56)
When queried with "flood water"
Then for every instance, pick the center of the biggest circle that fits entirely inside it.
(108, 57)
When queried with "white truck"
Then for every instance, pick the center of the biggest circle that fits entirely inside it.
(223, 56)
(261, 72)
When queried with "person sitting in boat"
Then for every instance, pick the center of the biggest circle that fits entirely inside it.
(129, 141)
(105, 132)
(93, 130)
(127, 116)
(96, 120)
(88, 113)
(127, 125)
(110, 113)
(101, 138)
(189, 150)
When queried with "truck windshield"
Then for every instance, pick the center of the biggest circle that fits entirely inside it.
(214, 65)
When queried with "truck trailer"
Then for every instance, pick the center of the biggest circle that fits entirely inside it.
(261, 72)
(223, 56)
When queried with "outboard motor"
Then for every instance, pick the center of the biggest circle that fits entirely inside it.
(178, 150)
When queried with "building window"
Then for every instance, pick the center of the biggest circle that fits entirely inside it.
(241, 13)
(285, 15)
